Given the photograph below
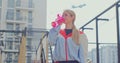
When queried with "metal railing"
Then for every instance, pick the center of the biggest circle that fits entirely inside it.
(96, 19)
(39, 51)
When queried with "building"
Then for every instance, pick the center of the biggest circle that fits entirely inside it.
(107, 54)
(92, 55)
(16, 15)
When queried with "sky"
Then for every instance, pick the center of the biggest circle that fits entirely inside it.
(85, 11)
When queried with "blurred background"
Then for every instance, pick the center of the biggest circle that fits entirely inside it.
(25, 24)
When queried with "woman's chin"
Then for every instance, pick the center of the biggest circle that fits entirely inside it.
(65, 22)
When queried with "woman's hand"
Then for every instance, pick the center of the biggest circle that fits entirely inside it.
(59, 20)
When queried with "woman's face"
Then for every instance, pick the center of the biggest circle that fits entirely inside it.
(69, 18)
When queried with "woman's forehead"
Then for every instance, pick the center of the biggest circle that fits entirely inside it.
(66, 12)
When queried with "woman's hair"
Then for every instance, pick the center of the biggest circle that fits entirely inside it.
(75, 32)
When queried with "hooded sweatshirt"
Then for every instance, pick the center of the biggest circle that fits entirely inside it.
(65, 48)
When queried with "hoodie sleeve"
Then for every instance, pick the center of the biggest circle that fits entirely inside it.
(84, 44)
(53, 34)
(81, 54)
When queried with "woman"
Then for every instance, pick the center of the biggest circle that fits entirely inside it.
(70, 44)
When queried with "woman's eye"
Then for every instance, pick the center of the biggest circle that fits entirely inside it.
(65, 15)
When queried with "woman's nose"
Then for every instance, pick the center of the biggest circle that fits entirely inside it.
(63, 16)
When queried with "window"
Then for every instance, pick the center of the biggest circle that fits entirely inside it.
(30, 17)
(30, 30)
(18, 3)
(10, 26)
(9, 58)
(18, 15)
(1, 43)
(16, 58)
(17, 40)
(0, 3)
(17, 43)
(17, 27)
(9, 43)
(29, 26)
(28, 58)
(30, 3)
(29, 41)
(11, 4)
(10, 14)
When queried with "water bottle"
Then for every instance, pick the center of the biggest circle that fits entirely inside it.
(58, 21)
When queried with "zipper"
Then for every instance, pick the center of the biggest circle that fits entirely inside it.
(66, 49)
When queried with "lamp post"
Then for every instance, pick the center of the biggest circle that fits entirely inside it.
(118, 30)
